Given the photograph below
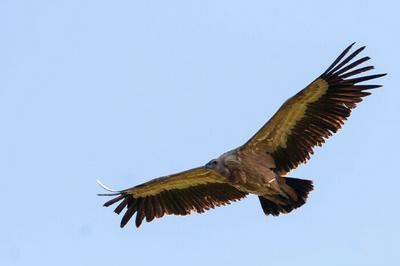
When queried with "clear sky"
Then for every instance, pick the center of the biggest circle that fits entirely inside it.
(125, 91)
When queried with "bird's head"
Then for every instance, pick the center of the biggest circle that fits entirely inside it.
(212, 165)
(218, 166)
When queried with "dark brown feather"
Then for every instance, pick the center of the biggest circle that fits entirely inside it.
(351, 66)
(114, 200)
(346, 60)
(121, 206)
(140, 212)
(158, 207)
(132, 208)
(337, 60)
(149, 209)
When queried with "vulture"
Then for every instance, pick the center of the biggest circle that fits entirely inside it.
(261, 165)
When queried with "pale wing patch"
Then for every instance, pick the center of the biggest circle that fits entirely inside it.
(191, 178)
(275, 133)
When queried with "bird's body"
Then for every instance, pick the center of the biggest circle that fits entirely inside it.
(259, 166)
(247, 171)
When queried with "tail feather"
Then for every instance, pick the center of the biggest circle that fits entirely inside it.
(301, 187)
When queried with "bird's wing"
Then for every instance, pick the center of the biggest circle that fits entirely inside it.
(313, 114)
(198, 189)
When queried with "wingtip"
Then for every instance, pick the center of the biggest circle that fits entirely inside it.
(123, 222)
(348, 48)
(379, 75)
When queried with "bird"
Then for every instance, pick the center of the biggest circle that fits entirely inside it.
(261, 165)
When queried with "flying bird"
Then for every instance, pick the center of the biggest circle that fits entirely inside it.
(261, 165)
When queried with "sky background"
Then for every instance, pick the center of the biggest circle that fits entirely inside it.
(125, 91)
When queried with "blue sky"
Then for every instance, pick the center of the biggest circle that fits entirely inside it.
(124, 91)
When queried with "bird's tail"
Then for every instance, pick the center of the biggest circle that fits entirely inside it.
(278, 204)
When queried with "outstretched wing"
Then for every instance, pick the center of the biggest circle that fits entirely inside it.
(313, 114)
(198, 189)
